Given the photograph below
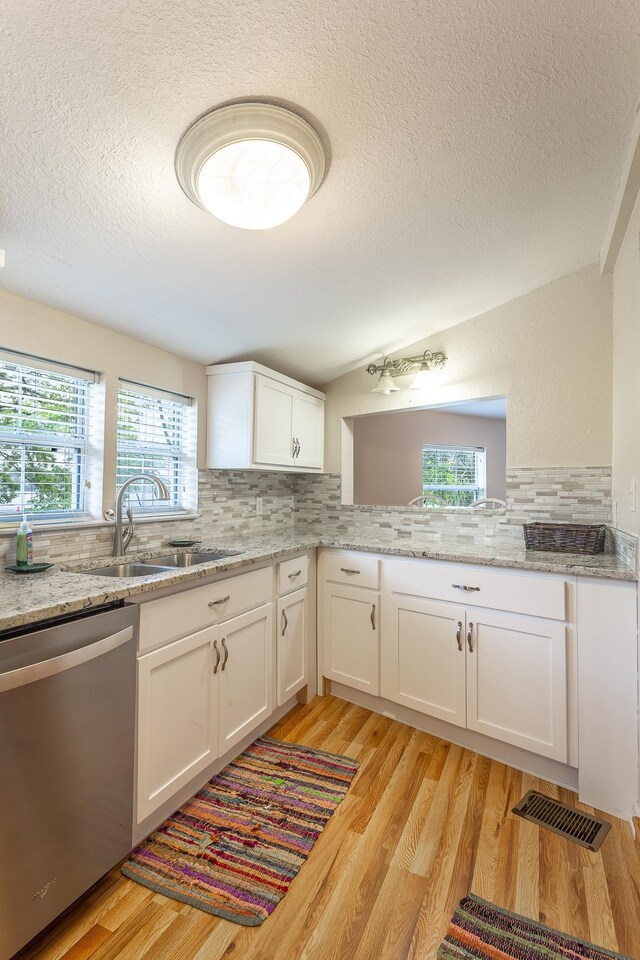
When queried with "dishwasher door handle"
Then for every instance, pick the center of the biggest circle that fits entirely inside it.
(48, 668)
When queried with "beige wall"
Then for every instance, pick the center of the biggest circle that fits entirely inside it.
(34, 328)
(388, 452)
(549, 352)
(626, 375)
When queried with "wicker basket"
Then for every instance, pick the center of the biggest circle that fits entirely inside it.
(565, 537)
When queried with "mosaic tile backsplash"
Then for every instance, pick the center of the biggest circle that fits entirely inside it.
(227, 504)
(557, 493)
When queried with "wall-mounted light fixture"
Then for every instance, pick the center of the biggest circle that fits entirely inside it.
(404, 367)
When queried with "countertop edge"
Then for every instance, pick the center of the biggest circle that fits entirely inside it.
(93, 591)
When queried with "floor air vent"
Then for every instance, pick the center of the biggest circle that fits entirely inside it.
(573, 824)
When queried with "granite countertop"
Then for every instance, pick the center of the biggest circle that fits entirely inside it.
(27, 599)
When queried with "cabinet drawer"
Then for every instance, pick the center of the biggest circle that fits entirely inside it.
(293, 573)
(534, 595)
(352, 568)
(182, 613)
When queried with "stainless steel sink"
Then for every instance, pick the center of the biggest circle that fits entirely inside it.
(126, 570)
(189, 559)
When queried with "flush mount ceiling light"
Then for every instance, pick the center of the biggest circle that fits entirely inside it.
(252, 165)
(404, 367)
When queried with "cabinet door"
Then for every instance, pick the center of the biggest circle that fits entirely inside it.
(245, 674)
(273, 436)
(291, 645)
(177, 717)
(517, 682)
(350, 633)
(308, 430)
(423, 657)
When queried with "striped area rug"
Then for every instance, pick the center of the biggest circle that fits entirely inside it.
(480, 930)
(236, 846)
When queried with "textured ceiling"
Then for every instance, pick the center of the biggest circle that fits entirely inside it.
(475, 151)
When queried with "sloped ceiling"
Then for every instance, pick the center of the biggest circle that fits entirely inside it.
(475, 150)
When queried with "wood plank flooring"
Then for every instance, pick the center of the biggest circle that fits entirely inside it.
(424, 823)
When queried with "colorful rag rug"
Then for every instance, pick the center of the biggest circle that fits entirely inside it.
(480, 930)
(236, 846)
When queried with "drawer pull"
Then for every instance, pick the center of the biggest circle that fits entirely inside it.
(285, 622)
(217, 663)
(348, 570)
(470, 638)
(373, 616)
(214, 603)
(226, 653)
(462, 586)
(459, 636)
(292, 576)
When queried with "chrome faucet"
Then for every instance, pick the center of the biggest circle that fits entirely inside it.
(122, 540)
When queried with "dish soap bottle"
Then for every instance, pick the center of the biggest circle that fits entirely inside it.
(24, 544)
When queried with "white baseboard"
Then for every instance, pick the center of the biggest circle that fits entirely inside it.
(558, 773)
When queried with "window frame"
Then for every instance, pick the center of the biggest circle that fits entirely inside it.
(479, 488)
(79, 442)
(182, 454)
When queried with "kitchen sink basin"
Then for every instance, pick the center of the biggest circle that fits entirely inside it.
(190, 559)
(126, 570)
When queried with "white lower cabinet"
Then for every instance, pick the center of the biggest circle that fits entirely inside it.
(517, 681)
(245, 672)
(177, 717)
(423, 657)
(291, 644)
(349, 636)
(197, 698)
(500, 675)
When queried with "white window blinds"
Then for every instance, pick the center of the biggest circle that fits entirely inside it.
(44, 429)
(154, 436)
(453, 476)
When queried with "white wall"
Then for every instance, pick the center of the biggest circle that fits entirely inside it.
(388, 451)
(626, 380)
(549, 352)
(626, 375)
(33, 328)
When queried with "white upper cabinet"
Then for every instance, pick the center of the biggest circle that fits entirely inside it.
(308, 431)
(273, 439)
(260, 419)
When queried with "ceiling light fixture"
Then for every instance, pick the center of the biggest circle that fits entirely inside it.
(404, 367)
(252, 165)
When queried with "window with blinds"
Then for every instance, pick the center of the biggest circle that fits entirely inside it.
(44, 430)
(453, 476)
(154, 436)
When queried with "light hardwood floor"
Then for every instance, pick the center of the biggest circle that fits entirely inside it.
(424, 823)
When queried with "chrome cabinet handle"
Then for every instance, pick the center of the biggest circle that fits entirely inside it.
(348, 570)
(373, 616)
(226, 653)
(285, 622)
(293, 448)
(217, 663)
(299, 448)
(292, 576)
(470, 637)
(462, 586)
(459, 636)
(214, 603)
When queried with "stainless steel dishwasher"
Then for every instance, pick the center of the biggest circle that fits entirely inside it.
(67, 717)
